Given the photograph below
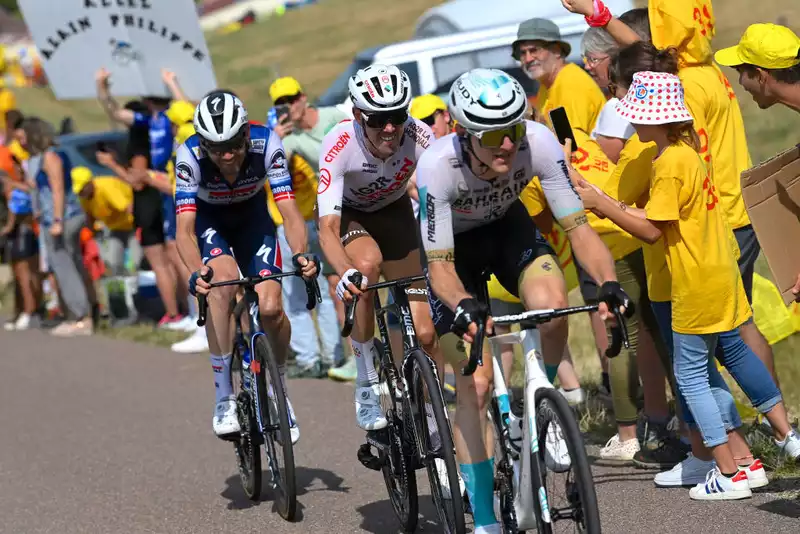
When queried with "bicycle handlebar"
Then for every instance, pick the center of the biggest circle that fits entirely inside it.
(312, 289)
(350, 307)
(619, 333)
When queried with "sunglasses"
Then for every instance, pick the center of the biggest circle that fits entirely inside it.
(380, 120)
(494, 138)
(288, 100)
(218, 149)
(430, 119)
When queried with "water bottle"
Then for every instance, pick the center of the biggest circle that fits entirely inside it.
(272, 118)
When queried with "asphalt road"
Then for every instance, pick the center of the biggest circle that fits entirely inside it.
(104, 436)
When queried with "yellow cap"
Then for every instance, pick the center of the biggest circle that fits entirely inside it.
(185, 131)
(286, 86)
(426, 105)
(768, 46)
(80, 177)
(180, 112)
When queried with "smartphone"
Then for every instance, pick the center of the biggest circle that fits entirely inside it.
(560, 122)
(276, 115)
(101, 146)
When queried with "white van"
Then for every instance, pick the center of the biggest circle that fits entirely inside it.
(433, 63)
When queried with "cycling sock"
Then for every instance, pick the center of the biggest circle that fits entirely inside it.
(479, 482)
(222, 375)
(365, 362)
(552, 372)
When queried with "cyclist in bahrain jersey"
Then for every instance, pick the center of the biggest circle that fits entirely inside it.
(366, 222)
(472, 220)
(221, 209)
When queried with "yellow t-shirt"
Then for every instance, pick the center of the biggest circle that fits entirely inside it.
(20, 153)
(7, 102)
(719, 123)
(304, 184)
(688, 25)
(111, 203)
(707, 292)
(630, 183)
(578, 94)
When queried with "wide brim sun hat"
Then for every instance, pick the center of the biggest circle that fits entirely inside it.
(654, 98)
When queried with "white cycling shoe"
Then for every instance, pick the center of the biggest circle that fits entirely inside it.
(369, 415)
(226, 421)
(556, 454)
(294, 430)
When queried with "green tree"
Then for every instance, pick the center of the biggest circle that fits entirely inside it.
(10, 5)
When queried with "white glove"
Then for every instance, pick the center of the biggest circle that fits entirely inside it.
(341, 287)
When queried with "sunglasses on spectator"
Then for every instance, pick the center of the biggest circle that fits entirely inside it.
(494, 138)
(234, 145)
(381, 119)
(430, 119)
(288, 100)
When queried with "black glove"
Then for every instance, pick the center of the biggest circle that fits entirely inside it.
(468, 311)
(612, 294)
(310, 257)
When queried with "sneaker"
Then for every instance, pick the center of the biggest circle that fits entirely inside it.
(556, 454)
(650, 434)
(315, 370)
(73, 328)
(619, 452)
(197, 342)
(184, 324)
(346, 372)
(23, 321)
(226, 420)
(721, 488)
(575, 397)
(667, 455)
(8, 326)
(169, 322)
(690, 472)
(790, 445)
(756, 475)
(369, 415)
(294, 429)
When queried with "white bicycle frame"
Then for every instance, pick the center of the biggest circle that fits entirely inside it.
(535, 378)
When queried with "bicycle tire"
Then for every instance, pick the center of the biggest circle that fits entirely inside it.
(397, 463)
(285, 500)
(504, 473)
(423, 373)
(551, 405)
(248, 447)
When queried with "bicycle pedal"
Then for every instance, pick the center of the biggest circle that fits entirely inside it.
(369, 460)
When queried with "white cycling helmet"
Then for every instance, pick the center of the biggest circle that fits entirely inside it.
(219, 117)
(487, 99)
(380, 88)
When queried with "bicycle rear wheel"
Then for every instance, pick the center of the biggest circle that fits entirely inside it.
(426, 389)
(397, 462)
(248, 447)
(572, 500)
(277, 437)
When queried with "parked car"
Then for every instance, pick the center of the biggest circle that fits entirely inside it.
(81, 148)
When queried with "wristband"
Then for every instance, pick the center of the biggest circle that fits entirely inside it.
(601, 15)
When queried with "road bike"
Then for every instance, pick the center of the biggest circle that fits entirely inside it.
(261, 400)
(527, 435)
(418, 435)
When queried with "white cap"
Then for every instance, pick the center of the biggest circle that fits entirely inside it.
(610, 124)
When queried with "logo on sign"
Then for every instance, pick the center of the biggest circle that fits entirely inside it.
(123, 52)
(216, 251)
(324, 180)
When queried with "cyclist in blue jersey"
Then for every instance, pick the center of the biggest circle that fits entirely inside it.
(223, 224)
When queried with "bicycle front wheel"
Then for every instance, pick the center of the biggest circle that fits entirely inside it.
(433, 428)
(571, 497)
(248, 447)
(277, 436)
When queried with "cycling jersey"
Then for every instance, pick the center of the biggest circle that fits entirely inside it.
(159, 129)
(454, 200)
(350, 176)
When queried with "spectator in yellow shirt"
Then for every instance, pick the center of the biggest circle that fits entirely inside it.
(108, 200)
(543, 56)
(8, 102)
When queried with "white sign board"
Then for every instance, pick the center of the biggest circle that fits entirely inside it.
(133, 39)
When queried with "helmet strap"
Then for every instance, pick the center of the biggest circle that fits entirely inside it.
(466, 148)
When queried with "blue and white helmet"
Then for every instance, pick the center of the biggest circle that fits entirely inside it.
(487, 99)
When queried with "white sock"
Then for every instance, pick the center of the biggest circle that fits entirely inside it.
(222, 375)
(365, 362)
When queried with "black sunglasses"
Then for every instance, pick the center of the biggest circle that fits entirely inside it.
(381, 119)
(430, 119)
(233, 145)
(288, 100)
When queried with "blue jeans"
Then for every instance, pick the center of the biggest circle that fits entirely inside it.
(706, 402)
(305, 342)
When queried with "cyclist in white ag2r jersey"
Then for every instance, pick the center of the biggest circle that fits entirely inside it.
(472, 220)
(366, 222)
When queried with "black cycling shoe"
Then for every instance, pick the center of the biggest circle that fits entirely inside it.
(315, 370)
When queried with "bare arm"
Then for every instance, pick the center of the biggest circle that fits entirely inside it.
(411, 188)
(611, 146)
(171, 81)
(54, 169)
(295, 226)
(109, 104)
(446, 283)
(329, 240)
(620, 31)
(632, 220)
(186, 241)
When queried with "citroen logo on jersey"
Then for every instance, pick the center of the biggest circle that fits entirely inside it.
(216, 103)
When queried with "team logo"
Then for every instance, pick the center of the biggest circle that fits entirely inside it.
(324, 180)
(216, 251)
(257, 145)
(183, 172)
(278, 160)
(123, 52)
(264, 272)
(216, 104)
(640, 91)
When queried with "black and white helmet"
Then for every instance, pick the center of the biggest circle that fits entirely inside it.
(219, 117)
(380, 88)
(487, 99)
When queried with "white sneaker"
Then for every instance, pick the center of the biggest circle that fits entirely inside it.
(225, 421)
(187, 324)
(197, 342)
(690, 472)
(556, 454)
(369, 415)
(619, 452)
(790, 444)
(756, 475)
(294, 430)
(574, 397)
(23, 322)
(721, 488)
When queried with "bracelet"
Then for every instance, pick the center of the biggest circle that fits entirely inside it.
(58, 220)
(601, 15)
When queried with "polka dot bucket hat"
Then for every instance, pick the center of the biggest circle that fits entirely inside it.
(654, 98)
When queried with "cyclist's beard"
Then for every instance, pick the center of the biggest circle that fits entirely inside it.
(383, 151)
